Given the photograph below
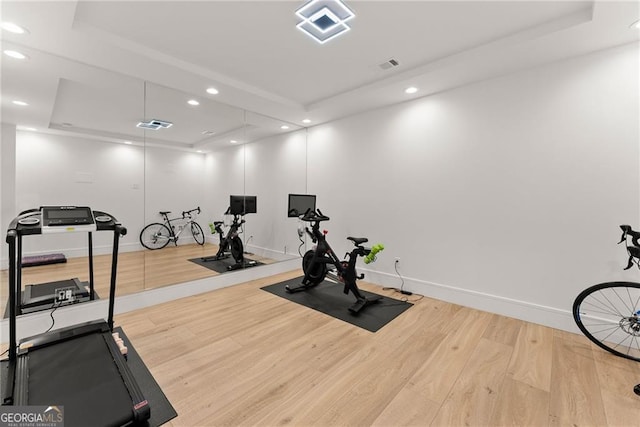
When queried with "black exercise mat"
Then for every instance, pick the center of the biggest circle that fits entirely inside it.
(328, 298)
(220, 266)
(161, 409)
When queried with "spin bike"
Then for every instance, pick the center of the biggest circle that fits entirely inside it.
(231, 244)
(609, 313)
(315, 262)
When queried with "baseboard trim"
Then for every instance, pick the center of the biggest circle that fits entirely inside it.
(553, 317)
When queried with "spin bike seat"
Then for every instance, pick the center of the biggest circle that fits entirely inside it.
(164, 212)
(358, 240)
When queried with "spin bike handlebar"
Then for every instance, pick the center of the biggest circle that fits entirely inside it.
(314, 216)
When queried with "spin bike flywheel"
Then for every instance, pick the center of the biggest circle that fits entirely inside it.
(315, 272)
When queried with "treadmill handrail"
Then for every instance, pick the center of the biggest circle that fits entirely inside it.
(15, 231)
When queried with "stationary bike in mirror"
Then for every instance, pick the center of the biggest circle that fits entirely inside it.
(231, 244)
(316, 261)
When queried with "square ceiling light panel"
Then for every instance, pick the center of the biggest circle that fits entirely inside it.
(324, 19)
(154, 124)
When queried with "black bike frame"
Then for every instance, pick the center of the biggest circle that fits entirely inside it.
(324, 254)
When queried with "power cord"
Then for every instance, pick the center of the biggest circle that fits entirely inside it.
(401, 289)
(53, 321)
(300, 234)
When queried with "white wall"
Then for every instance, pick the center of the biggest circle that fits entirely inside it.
(63, 170)
(130, 182)
(504, 195)
(275, 167)
(175, 181)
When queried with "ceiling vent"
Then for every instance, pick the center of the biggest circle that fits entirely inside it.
(389, 64)
(154, 124)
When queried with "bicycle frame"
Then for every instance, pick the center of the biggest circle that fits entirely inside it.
(323, 255)
(225, 241)
(158, 234)
(187, 217)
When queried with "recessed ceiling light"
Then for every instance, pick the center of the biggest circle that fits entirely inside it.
(193, 102)
(27, 128)
(20, 103)
(128, 142)
(323, 20)
(233, 141)
(306, 121)
(284, 127)
(15, 54)
(208, 132)
(14, 28)
(411, 89)
(212, 91)
(66, 125)
(199, 151)
(635, 24)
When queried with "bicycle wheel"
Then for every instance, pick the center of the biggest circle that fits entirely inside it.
(198, 234)
(155, 236)
(608, 315)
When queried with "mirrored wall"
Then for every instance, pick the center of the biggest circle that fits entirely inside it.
(95, 146)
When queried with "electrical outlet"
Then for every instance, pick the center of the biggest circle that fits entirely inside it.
(64, 294)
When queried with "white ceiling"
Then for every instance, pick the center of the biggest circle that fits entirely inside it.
(89, 60)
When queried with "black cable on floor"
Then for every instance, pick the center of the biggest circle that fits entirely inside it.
(53, 321)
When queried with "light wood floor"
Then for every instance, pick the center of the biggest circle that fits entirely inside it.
(242, 356)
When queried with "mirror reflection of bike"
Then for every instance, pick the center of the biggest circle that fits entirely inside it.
(231, 244)
(316, 261)
(157, 235)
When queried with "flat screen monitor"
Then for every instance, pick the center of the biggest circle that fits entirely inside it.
(299, 204)
(240, 205)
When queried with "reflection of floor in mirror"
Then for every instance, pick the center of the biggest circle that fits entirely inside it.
(136, 270)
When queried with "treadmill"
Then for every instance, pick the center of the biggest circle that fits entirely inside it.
(79, 368)
(44, 296)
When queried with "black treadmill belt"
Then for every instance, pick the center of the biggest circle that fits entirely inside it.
(81, 376)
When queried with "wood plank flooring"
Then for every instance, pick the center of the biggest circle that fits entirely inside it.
(240, 356)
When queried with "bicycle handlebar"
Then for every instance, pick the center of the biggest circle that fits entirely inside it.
(188, 213)
(627, 230)
(634, 249)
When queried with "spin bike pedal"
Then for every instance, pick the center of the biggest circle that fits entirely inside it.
(362, 303)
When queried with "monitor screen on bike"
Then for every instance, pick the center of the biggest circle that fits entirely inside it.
(299, 204)
(241, 205)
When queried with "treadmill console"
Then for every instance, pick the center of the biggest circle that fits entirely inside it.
(61, 219)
